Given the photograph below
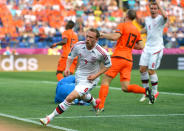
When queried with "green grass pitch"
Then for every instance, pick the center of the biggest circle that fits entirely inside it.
(30, 96)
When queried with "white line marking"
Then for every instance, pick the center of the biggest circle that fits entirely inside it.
(165, 93)
(116, 88)
(35, 122)
(112, 88)
(116, 116)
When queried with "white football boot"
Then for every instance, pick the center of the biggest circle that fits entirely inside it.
(45, 121)
(143, 98)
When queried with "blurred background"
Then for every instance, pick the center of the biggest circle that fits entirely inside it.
(29, 27)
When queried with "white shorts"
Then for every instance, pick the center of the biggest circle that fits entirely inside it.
(151, 59)
(84, 86)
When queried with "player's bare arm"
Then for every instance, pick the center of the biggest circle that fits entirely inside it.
(63, 42)
(163, 13)
(68, 64)
(101, 71)
(110, 36)
(139, 45)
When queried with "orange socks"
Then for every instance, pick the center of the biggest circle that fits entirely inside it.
(59, 76)
(136, 89)
(104, 89)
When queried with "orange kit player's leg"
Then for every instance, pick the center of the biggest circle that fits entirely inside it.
(62, 65)
(104, 89)
(125, 76)
(109, 75)
(73, 66)
(123, 67)
(61, 68)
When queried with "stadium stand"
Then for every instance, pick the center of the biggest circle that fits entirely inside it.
(39, 23)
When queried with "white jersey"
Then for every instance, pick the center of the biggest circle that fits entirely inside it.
(154, 29)
(89, 60)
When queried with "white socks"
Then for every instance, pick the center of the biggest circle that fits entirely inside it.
(154, 83)
(59, 109)
(145, 79)
(89, 98)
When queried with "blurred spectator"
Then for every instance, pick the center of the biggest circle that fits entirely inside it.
(35, 23)
(180, 38)
(8, 51)
(131, 4)
(125, 4)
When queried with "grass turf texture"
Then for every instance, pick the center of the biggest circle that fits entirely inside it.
(31, 95)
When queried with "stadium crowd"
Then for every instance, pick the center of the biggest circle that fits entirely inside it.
(39, 23)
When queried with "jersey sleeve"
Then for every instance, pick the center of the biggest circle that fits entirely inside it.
(73, 52)
(65, 35)
(119, 28)
(106, 59)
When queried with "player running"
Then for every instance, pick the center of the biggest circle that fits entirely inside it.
(90, 56)
(128, 37)
(153, 50)
(69, 39)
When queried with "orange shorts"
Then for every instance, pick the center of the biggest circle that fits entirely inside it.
(122, 66)
(62, 64)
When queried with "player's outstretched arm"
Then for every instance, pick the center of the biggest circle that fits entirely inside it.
(63, 42)
(110, 36)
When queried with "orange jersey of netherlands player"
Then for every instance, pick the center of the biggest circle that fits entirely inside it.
(71, 40)
(129, 36)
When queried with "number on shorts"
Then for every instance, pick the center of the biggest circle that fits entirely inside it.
(86, 90)
(131, 40)
(153, 65)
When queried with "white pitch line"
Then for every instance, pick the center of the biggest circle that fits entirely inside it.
(116, 88)
(35, 122)
(166, 93)
(112, 116)
(112, 88)
(116, 116)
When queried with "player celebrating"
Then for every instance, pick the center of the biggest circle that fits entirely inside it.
(69, 38)
(153, 51)
(90, 55)
(128, 37)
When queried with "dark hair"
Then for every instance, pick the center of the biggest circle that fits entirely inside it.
(70, 24)
(96, 31)
(131, 14)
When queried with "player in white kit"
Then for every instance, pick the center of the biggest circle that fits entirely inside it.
(90, 56)
(153, 50)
